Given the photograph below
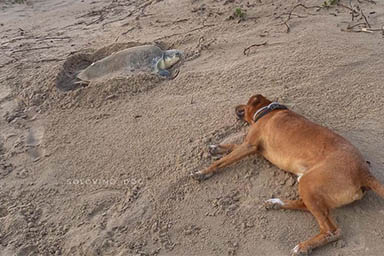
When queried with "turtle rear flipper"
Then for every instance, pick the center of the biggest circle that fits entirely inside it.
(81, 82)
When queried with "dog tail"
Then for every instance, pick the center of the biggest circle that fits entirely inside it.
(374, 184)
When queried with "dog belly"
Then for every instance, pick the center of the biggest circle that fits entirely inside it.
(293, 166)
(345, 197)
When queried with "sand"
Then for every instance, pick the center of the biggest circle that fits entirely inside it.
(104, 169)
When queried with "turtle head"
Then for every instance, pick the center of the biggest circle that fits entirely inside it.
(171, 57)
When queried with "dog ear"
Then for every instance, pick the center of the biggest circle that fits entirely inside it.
(257, 99)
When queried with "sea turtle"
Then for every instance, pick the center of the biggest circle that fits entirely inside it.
(143, 58)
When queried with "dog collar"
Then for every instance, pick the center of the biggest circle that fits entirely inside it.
(265, 110)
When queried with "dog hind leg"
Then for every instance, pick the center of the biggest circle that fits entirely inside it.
(329, 232)
(276, 203)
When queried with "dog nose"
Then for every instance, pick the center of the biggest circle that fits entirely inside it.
(240, 112)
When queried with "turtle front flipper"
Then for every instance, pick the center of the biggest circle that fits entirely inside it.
(164, 73)
(167, 60)
(159, 68)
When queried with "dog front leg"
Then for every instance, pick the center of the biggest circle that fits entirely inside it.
(238, 153)
(221, 149)
(228, 145)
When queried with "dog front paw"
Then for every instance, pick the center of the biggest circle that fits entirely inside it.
(299, 250)
(200, 176)
(273, 203)
(214, 150)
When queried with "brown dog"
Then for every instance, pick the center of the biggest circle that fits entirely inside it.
(331, 171)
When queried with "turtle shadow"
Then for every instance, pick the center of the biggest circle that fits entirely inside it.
(66, 79)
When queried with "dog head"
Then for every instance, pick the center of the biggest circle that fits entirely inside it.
(246, 112)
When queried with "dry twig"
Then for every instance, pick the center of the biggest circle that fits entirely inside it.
(100, 19)
(187, 32)
(356, 11)
(53, 38)
(120, 19)
(17, 39)
(47, 60)
(366, 30)
(248, 49)
(365, 18)
(129, 30)
(290, 13)
(369, 1)
(32, 49)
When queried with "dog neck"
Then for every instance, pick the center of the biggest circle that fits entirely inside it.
(265, 110)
